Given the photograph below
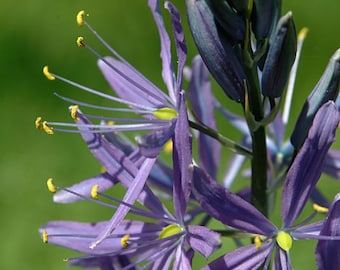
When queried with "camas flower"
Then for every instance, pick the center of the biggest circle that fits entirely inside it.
(239, 214)
(134, 90)
(146, 244)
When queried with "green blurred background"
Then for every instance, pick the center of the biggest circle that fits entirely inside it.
(40, 32)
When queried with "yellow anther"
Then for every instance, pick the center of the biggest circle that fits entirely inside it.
(94, 192)
(38, 123)
(80, 42)
(303, 33)
(80, 17)
(111, 123)
(47, 129)
(74, 110)
(47, 74)
(45, 236)
(124, 241)
(51, 187)
(320, 209)
(165, 113)
(284, 240)
(65, 259)
(170, 230)
(168, 146)
(257, 242)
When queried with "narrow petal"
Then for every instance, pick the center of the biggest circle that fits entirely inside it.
(307, 166)
(182, 160)
(131, 85)
(78, 236)
(282, 260)
(152, 143)
(332, 164)
(202, 102)
(104, 180)
(181, 261)
(203, 240)
(248, 257)
(328, 251)
(227, 207)
(167, 70)
(181, 47)
(130, 197)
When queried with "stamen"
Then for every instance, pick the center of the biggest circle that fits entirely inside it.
(47, 74)
(291, 82)
(51, 187)
(47, 129)
(168, 147)
(284, 240)
(80, 17)
(94, 192)
(257, 242)
(165, 113)
(45, 236)
(74, 110)
(320, 209)
(80, 42)
(170, 230)
(38, 123)
(124, 241)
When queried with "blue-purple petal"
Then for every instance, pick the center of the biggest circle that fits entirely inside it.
(83, 188)
(167, 64)
(248, 257)
(182, 161)
(78, 236)
(131, 85)
(307, 166)
(203, 240)
(328, 251)
(203, 105)
(227, 207)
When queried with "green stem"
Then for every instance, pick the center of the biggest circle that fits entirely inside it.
(233, 146)
(259, 148)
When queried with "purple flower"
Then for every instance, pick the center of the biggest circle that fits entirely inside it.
(239, 214)
(144, 243)
(134, 90)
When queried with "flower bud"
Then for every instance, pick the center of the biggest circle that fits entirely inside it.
(280, 58)
(326, 89)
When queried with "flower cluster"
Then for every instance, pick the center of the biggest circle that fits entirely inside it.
(166, 214)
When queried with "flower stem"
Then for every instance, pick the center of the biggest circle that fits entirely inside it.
(233, 146)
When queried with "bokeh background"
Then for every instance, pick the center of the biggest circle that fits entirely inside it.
(40, 32)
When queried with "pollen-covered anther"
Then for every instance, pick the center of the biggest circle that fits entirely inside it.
(258, 242)
(320, 209)
(284, 240)
(165, 113)
(124, 241)
(45, 236)
(47, 73)
(80, 17)
(74, 112)
(47, 129)
(38, 123)
(80, 42)
(303, 33)
(94, 192)
(168, 147)
(51, 187)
